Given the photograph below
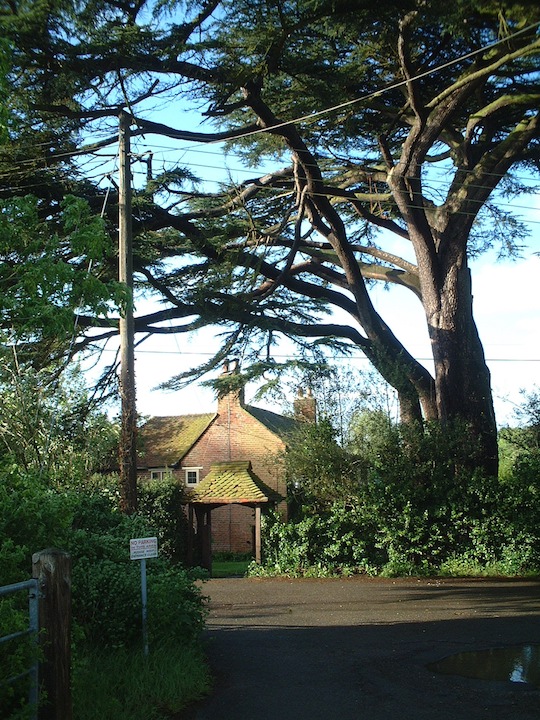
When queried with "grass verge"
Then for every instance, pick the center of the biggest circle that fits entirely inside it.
(124, 685)
(230, 568)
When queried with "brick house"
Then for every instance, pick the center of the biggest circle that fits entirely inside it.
(188, 447)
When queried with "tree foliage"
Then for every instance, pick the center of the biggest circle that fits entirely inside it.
(386, 135)
(50, 426)
(319, 471)
(46, 276)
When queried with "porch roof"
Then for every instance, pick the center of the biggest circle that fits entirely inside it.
(233, 482)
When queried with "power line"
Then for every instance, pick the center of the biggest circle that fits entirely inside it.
(431, 181)
(278, 356)
(481, 203)
(334, 109)
(163, 151)
(251, 172)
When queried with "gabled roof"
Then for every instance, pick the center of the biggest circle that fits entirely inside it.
(165, 440)
(233, 482)
(278, 424)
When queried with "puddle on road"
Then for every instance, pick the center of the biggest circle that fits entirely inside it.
(518, 664)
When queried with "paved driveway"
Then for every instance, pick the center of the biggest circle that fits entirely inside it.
(357, 649)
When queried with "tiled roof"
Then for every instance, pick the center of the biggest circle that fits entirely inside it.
(278, 424)
(233, 482)
(165, 440)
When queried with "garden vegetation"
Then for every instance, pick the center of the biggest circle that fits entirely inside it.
(390, 502)
(64, 506)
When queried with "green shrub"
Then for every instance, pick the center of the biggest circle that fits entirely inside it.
(49, 498)
(106, 592)
(107, 602)
(420, 510)
(161, 503)
(33, 516)
(107, 584)
(336, 542)
(320, 471)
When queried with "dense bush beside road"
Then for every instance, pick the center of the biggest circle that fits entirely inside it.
(409, 510)
(106, 595)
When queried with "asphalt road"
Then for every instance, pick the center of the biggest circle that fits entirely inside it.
(358, 649)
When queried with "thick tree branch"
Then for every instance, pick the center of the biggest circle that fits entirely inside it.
(484, 72)
(466, 198)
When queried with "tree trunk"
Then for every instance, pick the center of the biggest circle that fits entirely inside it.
(462, 377)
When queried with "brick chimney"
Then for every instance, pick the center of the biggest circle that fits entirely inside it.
(305, 406)
(232, 394)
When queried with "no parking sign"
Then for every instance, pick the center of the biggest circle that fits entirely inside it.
(140, 549)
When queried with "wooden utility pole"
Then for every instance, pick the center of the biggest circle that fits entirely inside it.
(128, 436)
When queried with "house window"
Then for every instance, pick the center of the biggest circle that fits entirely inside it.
(192, 475)
(159, 473)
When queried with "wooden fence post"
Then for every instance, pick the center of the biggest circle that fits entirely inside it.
(52, 568)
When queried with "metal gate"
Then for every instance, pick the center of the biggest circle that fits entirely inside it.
(32, 630)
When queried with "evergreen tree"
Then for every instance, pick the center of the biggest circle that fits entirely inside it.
(408, 118)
